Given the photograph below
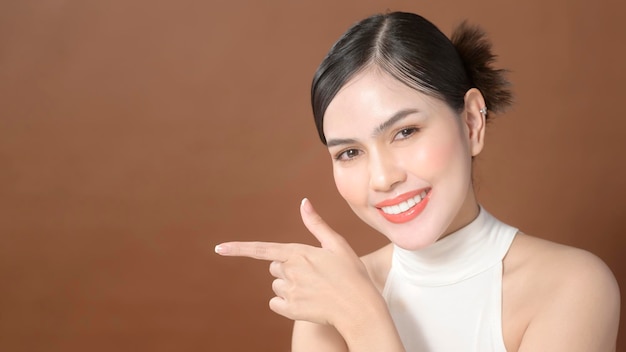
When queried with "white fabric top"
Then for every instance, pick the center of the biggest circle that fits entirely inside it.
(448, 297)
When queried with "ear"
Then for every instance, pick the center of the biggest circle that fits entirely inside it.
(475, 117)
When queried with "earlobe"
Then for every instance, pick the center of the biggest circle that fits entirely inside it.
(475, 115)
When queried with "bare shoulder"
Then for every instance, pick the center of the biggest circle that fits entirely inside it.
(569, 297)
(378, 264)
(558, 266)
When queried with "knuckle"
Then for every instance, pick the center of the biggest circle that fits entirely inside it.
(273, 268)
(287, 271)
(275, 305)
(260, 251)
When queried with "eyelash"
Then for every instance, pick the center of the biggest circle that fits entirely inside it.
(340, 155)
(407, 132)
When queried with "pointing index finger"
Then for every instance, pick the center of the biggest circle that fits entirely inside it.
(257, 250)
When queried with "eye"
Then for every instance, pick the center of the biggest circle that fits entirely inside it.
(405, 133)
(347, 155)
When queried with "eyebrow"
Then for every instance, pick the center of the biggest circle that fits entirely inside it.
(378, 130)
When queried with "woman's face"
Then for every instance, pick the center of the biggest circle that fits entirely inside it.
(402, 159)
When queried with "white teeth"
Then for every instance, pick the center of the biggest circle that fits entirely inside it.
(404, 206)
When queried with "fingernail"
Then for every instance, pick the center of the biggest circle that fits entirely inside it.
(221, 249)
(306, 205)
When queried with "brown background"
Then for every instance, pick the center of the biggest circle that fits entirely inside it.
(135, 135)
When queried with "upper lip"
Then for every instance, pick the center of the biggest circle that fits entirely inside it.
(401, 198)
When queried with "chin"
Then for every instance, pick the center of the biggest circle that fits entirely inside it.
(416, 237)
(416, 234)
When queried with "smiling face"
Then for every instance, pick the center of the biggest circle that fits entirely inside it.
(401, 159)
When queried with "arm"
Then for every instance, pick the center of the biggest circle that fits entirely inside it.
(370, 330)
(580, 312)
(311, 337)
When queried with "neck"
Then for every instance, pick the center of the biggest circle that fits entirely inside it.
(468, 212)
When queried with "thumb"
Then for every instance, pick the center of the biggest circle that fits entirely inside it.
(328, 238)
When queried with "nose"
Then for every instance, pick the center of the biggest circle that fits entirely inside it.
(385, 171)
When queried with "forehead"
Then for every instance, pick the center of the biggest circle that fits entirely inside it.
(370, 97)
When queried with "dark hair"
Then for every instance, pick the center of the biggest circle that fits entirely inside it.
(417, 53)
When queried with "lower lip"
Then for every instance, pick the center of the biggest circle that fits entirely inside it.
(407, 215)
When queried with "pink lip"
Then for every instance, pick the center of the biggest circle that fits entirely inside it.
(407, 215)
(399, 199)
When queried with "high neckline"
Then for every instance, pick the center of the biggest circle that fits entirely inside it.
(462, 254)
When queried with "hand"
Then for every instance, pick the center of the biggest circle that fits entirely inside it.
(317, 284)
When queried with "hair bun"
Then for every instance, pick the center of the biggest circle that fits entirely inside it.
(475, 50)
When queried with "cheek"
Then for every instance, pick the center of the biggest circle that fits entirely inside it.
(439, 156)
(349, 183)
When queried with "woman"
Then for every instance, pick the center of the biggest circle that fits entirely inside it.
(402, 110)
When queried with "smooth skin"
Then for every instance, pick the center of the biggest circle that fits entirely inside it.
(555, 298)
(326, 286)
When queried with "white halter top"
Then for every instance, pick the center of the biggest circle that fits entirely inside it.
(448, 297)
